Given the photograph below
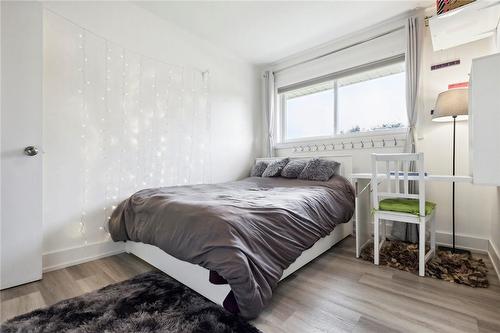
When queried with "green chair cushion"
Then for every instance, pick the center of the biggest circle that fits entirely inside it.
(403, 205)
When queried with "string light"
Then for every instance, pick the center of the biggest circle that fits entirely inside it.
(150, 123)
(104, 146)
(84, 118)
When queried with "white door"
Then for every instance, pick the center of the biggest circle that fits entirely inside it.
(21, 126)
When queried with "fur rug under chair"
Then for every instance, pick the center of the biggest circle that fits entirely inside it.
(452, 267)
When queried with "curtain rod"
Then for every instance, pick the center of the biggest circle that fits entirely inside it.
(340, 49)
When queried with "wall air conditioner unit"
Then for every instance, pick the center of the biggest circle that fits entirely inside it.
(465, 24)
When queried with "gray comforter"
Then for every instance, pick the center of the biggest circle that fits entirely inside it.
(247, 231)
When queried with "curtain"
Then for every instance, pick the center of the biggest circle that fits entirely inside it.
(413, 56)
(269, 93)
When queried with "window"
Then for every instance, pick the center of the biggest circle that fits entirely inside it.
(361, 101)
(309, 112)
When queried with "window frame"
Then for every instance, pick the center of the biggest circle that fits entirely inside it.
(281, 107)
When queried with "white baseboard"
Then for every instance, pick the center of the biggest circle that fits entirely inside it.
(80, 254)
(465, 242)
(494, 257)
(77, 255)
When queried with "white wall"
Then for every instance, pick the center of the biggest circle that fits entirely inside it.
(495, 213)
(234, 96)
(361, 156)
(476, 206)
(473, 203)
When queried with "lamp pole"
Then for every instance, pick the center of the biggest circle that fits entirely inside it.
(449, 105)
(453, 183)
(454, 249)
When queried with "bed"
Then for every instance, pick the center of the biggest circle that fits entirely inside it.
(233, 242)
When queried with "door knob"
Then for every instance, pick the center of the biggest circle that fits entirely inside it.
(31, 150)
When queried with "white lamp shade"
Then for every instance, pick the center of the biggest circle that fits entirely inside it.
(451, 104)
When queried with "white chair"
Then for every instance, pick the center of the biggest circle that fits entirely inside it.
(401, 206)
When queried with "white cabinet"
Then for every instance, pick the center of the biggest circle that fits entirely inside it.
(484, 120)
(465, 24)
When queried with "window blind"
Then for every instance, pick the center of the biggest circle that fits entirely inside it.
(389, 48)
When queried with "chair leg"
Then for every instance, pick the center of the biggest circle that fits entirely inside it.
(421, 248)
(433, 234)
(384, 230)
(376, 240)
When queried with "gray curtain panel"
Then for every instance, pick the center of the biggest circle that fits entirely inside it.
(406, 231)
(269, 93)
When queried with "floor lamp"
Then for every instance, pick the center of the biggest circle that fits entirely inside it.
(452, 105)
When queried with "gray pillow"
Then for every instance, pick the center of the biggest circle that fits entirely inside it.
(319, 169)
(274, 168)
(293, 168)
(258, 168)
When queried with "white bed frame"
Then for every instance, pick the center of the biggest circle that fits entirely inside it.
(196, 277)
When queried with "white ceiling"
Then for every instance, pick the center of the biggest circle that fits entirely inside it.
(266, 31)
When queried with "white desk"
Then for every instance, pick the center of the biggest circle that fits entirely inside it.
(361, 183)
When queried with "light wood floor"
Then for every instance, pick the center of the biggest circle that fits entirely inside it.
(334, 293)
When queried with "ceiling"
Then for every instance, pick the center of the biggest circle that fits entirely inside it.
(265, 31)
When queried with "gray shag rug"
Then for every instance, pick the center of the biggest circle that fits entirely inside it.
(150, 302)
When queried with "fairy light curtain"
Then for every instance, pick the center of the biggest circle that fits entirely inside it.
(115, 122)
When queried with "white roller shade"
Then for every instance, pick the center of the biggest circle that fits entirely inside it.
(387, 46)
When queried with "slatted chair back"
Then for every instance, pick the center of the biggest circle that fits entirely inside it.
(396, 172)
